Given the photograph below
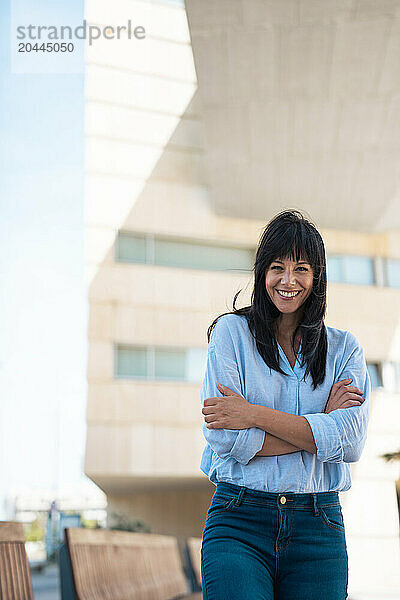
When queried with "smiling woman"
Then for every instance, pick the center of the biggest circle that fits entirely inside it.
(282, 423)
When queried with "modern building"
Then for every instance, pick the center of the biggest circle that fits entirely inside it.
(226, 113)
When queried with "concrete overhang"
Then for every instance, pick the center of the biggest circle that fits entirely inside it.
(119, 484)
(301, 106)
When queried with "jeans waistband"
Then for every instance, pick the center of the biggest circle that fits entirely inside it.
(291, 499)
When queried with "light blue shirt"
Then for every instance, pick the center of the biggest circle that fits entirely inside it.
(229, 455)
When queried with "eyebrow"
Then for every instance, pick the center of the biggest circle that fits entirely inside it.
(301, 262)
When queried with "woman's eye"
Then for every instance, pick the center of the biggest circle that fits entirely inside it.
(298, 268)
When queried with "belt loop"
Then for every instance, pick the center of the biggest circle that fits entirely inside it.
(316, 511)
(229, 505)
(239, 499)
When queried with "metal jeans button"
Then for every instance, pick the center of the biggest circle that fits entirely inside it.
(283, 500)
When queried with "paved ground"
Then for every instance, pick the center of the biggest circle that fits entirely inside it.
(46, 584)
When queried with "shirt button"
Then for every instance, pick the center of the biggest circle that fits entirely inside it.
(283, 500)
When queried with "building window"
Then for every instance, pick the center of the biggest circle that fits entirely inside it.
(375, 375)
(391, 376)
(334, 268)
(170, 364)
(131, 248)
(393, 272)
(156, 363)
(173, 252)
(357, 270)
(131, 362)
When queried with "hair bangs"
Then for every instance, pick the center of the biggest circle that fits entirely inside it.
(289, 242)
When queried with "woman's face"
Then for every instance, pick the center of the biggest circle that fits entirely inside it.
(288, 284)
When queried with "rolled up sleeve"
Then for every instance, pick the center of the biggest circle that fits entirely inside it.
(340, 435)
(239, 444)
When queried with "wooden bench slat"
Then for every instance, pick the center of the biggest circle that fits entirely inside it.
(194, 547)
(15, 579)
(79, 535)
(11, 532)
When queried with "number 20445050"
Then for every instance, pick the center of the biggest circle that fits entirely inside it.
(48, 47)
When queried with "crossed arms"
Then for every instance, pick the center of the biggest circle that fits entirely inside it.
(236, 428)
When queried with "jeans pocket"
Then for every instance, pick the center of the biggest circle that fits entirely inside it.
(219, 505)
(332, 517)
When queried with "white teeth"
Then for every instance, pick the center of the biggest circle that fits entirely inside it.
(287, 294)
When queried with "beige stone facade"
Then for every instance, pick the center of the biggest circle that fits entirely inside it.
(147, 172)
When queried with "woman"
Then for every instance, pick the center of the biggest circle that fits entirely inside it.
(286, 408)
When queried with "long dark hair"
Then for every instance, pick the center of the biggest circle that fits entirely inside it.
(288, 234)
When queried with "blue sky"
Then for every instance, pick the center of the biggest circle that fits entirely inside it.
(43, 308)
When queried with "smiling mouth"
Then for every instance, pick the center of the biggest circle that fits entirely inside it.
(288, 295)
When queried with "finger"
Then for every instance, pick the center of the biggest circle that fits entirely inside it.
(214, 425)
(210, 401)
(341, 383)
(225, 390)
(210, 419)
(351, 403)
(349, 396)
(354, 390)
(337, 386)
(208, 410)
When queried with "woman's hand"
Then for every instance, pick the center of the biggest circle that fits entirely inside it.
(230, 411)
(343, 395)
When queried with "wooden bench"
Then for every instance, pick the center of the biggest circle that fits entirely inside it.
(194, 553)
(120, 565)
(15, 575)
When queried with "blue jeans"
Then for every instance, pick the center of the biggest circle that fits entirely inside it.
(269, 546)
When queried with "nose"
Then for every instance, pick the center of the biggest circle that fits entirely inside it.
(288, 277)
